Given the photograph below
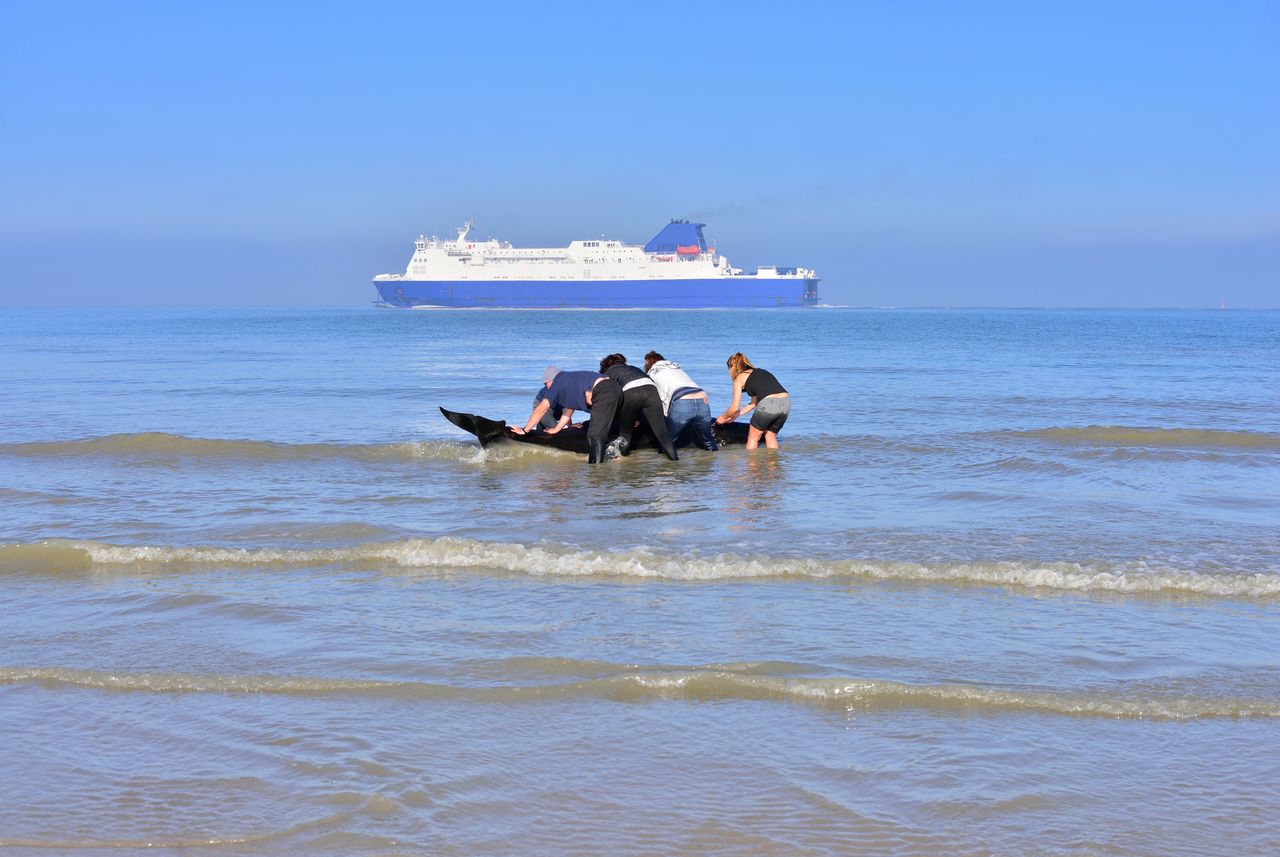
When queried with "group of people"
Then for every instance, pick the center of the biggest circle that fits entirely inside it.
(663, 395)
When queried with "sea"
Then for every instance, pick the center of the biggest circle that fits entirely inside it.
(1011, 585)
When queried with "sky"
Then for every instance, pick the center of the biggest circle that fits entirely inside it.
(914, 153)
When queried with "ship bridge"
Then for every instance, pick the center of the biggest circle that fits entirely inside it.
(678, 236)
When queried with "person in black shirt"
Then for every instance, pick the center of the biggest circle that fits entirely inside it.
(639, 398)
(769, 400)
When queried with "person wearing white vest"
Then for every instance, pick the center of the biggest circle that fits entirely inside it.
(683, 401)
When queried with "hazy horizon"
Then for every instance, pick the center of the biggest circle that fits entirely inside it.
(994, 155)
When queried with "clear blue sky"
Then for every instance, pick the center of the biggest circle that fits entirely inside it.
(1026, 154)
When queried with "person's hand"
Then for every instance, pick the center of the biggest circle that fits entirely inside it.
(516, 430)
(553, 430)
(722, 419)
(577, 425)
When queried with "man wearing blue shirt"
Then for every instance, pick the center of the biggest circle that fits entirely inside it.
(578, 391)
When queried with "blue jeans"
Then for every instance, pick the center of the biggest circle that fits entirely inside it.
(695, 413)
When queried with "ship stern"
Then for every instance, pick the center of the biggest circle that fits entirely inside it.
(810, 297)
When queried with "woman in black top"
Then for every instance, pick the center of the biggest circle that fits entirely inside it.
(639, 398)
(769, 400)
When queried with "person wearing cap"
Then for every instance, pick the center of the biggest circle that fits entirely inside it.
(639, 398)
(578, 391)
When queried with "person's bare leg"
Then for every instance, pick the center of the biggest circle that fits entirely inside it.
(771, 440)
(753, 437)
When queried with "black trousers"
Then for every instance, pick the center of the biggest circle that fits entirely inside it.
(605, 398)
(643, 401)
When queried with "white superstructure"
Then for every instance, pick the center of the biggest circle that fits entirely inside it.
(676, 268)
(461, 258)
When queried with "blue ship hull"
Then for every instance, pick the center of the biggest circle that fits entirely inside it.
(600, 294)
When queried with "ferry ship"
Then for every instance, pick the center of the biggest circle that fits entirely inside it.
(677, 268)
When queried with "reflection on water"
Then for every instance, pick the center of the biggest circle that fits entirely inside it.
(753, 489)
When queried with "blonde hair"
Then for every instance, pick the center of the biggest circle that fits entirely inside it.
(738, 363)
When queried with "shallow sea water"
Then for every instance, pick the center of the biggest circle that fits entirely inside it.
(1011, 585)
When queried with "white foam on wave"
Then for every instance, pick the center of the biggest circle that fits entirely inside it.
(545, 560)
(639, 684)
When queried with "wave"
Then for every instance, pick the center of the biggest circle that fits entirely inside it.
(1020, 464)
(1118, 441)
(456, 554)
(1246, 457)
(698, 684)
(16, 495)
(203, 841)
(164, 445)
(1155, 437)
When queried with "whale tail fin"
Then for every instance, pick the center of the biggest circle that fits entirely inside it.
(485, 430)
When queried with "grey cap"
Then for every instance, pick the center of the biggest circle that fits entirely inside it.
(549, 373)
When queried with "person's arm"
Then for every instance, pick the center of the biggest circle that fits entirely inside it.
(566, 417)
(538, 412)
(732, 413)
